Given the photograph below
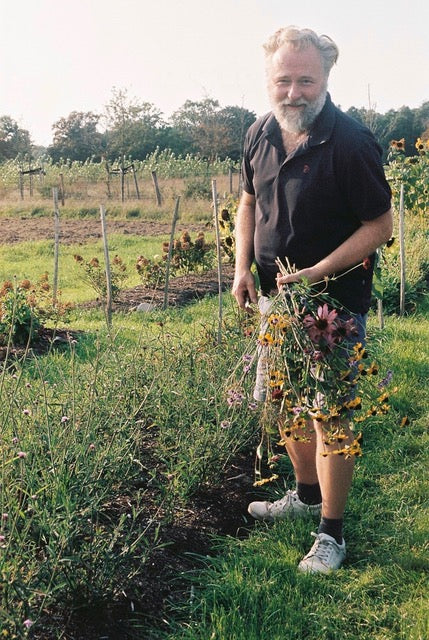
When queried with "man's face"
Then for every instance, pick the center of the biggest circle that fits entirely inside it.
(297, 86)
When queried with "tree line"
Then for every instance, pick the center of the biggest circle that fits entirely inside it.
(134, 128)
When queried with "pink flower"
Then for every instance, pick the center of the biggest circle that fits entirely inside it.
(322, 328)
(28, 623)
(21, 454)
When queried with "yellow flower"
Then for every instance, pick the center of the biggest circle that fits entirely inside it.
(355, 403)
(260, 483)
(373, 369)
(421, 144)
(276, 379)
(360, 352)
(399, 145)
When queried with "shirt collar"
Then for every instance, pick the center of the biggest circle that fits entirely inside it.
(322, 128)
(320, 131)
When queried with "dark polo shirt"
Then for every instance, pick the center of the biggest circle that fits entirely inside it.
(309, 202)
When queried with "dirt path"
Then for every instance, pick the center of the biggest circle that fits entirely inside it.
(13, 230)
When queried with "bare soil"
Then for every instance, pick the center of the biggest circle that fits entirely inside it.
(73, 231)
(219, 510)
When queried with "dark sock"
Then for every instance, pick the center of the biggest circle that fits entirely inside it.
(333, 528)
(309, 493)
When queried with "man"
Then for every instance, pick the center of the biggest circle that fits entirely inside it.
(314, 191)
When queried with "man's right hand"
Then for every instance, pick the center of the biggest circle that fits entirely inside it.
(244, 291)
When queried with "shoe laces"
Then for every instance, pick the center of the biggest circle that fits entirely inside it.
(322, 548)
(287, 499)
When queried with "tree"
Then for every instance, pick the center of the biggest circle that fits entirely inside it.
(202, 126)
(134, 127)
(421, 120)
(76, 137)
(237, 120)
(406, 123)
(211, 131)
(14, 141)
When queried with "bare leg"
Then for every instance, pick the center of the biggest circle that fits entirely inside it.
(335, 475)
(303, 456)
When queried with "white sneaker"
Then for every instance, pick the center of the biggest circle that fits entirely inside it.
(290, 506)
(324, 556)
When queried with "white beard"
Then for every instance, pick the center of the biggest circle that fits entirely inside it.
(299, 121)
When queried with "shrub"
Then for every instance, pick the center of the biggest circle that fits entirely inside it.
(95, 275)
(199, 188)
(227, 227)
(25, 306)
(18, 319)
(152, 272)
(187, 256)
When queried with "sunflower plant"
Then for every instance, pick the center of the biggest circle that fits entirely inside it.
(314, 369)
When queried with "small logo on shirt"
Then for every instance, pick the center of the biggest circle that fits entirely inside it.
(306, 169)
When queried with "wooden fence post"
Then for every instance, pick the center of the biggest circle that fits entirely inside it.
(219, 260)
(63, 190)
(157, 191)
(402, 250)
(107, 264)
(170, 253)
(122, 179)
(21, 184)
(56, 245)
(135, 181)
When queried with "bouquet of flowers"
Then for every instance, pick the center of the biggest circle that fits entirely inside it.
(313, 367)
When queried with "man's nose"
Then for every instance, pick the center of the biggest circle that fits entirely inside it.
(294, 91)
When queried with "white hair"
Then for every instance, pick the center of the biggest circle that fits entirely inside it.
(301, 39)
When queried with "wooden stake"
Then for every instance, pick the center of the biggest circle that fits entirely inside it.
(219, 260)
(122, 179)
(56, 245)
(402, 250)
(170, 252)
(107, 264)
(157, 191)
(63, 191)
(135, 181)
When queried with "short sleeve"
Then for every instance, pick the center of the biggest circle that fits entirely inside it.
(363, 180)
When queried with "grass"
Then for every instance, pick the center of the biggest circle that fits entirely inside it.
(94, 432)
(84, 198)
(76, 503)
(251, 590)
(34, 258)
(86, 433)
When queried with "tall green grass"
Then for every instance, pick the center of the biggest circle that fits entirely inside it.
(93, 434)
(251, 590)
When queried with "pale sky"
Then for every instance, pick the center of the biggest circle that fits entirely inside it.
(59, 56)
